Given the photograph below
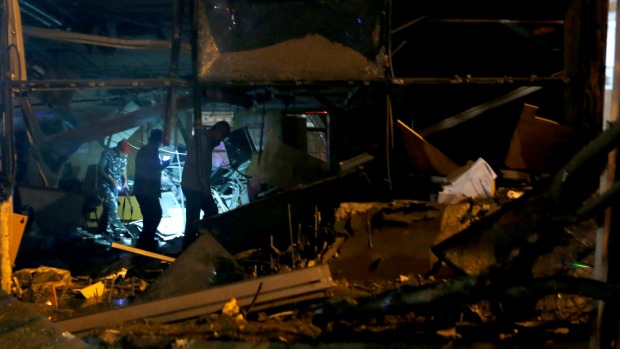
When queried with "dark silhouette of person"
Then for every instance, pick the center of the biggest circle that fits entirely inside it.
(196, 177)
(147, 189)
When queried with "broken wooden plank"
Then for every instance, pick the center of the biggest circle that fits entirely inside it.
(419, 155)
(17, 225)
(285, 288)
(142, 252)
(539, 145)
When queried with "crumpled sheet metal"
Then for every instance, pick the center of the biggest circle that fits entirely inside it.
(236, 54)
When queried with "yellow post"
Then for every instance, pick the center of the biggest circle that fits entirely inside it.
(6, 268)
(14, 69)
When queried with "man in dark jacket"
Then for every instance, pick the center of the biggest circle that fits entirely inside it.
(147, 189)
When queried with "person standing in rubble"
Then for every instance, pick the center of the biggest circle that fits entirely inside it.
(147, 189)
(111, 180)
(196, 177)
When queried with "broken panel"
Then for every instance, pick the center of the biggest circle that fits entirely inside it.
(309, 40)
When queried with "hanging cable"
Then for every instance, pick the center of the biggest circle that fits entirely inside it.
(388, 34)
(262, 133)
(389, 141)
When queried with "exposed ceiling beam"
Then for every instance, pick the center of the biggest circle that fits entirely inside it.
(97, 40)
(114, 124)
(106, 84)
(477, 110)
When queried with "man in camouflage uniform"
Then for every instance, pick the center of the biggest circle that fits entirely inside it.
(112, 179)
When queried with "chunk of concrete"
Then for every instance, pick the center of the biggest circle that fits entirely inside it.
(203, 264)
(24, 328)
(388, 240)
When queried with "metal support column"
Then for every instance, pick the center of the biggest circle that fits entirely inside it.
(13, 67)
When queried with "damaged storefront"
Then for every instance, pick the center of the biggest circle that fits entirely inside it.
(487, 269)
(376, 190)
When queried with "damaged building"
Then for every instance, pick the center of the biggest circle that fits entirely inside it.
(402, 174)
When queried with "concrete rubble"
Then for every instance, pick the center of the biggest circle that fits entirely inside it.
(381, 249)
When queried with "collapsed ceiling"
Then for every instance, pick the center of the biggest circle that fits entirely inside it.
(443, 44)
(88, 64)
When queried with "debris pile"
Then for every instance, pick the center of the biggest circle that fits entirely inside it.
(311, 265)
(378, 281)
